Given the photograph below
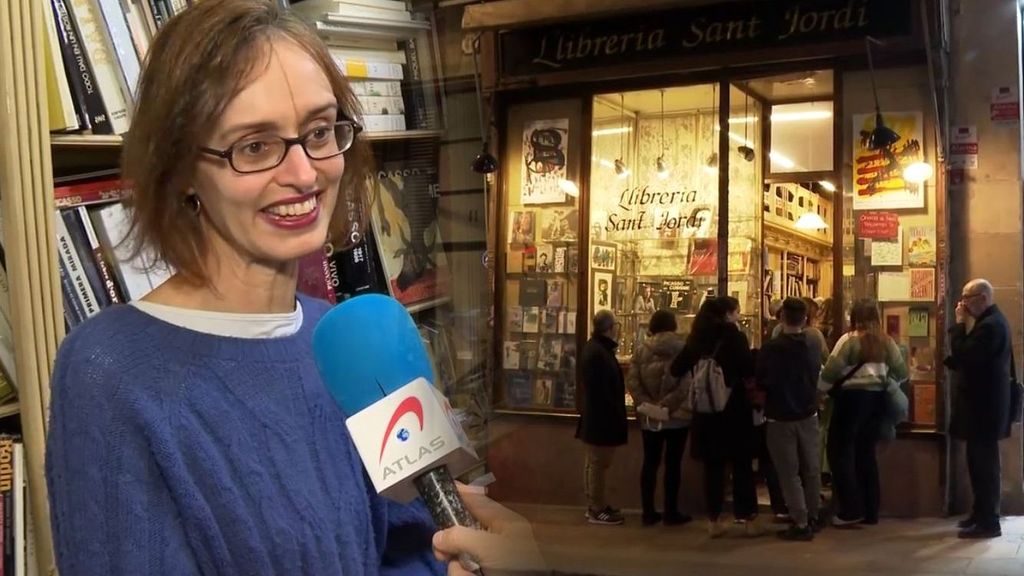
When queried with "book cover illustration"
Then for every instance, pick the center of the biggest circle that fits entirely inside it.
(510, 359)
(556, 293)
(559, 224)
(552, 320)
(404, 216)
(531, 319)
(545, 258)
(515, 319)
(550, 356)
(542, 391)
(917, 325)
(558, 261)
(521, 228)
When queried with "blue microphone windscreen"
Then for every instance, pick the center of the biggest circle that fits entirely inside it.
(368, 347)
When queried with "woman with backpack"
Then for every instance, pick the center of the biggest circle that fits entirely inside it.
(664, 415)
(717, 358)
(864, 363)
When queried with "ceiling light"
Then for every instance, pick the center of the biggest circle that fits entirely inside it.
(827, 185)
(799, 116)
(620, 168)
(663, 171)
(660, 162)
(612, 131)
(569, 187)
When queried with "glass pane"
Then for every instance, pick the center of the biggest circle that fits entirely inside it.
(541, 255)
(745, 159)
(801, 137)
(653, 226)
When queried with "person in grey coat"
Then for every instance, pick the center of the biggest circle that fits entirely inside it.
(981, 355)
(664, 417)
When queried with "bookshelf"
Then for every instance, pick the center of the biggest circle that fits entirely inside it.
(29, 154)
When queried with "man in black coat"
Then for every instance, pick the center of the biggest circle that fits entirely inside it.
(981, 356)
(602, 425)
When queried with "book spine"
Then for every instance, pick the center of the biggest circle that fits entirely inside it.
(74, 314)
(79, 281)
(80, 243)
(106, 72)
(413, 90)
(82, 70)
(106, 274)
(123, 43)
(383, 123)
(7, 495)
(62, 26)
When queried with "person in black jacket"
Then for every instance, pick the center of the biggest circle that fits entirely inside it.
(981, 355)
(602, 425)
(726, 436)
(787, 370)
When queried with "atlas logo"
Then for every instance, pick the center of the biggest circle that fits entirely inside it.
(403, 435)
(410, 405)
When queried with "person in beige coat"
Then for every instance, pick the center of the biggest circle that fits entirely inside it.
(664, 417)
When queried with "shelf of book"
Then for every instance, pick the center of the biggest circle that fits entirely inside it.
(10, 409)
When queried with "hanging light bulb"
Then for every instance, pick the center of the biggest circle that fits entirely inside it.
(882, 137)
(663, 171)
(569, 187)
(485, 162)
(660, 163)
(918, 172)
(746, 152)
(620, 166)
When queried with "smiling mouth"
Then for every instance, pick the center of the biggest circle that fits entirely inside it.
(296, 209)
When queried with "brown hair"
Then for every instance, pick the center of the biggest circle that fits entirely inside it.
(198, 62)
(865, 320)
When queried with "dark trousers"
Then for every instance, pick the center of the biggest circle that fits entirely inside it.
(984, 470)
(852, 437)
(766, 467)
(673, 442)
(721, 439)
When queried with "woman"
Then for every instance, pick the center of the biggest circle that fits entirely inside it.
(727, 436)
(861, 368)
(190, 431)
(665, 418)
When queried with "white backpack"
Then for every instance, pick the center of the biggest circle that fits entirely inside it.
(708, 391)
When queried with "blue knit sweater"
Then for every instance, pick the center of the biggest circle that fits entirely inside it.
(174, 452)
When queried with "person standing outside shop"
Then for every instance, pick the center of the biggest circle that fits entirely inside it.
(602, 425)
(664, 416)
(787, 370)
(981, 355)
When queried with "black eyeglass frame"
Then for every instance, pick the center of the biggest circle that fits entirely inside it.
(229, 152)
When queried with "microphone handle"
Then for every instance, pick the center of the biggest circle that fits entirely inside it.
(438, 490)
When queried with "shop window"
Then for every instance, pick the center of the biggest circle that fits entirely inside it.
(801, 137)
(653, 227)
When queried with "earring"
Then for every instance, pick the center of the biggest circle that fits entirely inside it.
(192, 201)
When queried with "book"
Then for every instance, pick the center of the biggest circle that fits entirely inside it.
(531, 319)
(405, 227)
(532, 293)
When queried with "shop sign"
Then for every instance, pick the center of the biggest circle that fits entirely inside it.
(878, 225)
(1005, 105)
(663, 213)
(695, 30)
(963, 148)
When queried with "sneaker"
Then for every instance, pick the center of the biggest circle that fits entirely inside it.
(650, 518)
(677, 519)
(797, 534)
(607, 516)
(782, 518)
(716, 529)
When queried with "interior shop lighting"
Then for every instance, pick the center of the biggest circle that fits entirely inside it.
(827, 185)
(882, 137)
(918, 172)
(485, 162)
(569, 187)
(660, 163)
(620, 167)
(611, 131)
(810, 221)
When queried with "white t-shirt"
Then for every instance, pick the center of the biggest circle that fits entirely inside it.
(226, 323)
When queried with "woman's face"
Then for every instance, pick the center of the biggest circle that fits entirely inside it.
(275, 216)
(733, 316)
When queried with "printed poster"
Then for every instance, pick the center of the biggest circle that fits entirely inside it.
(545, 143)
(921, 245)
(917, 325)
(878, 174)
(922, 283)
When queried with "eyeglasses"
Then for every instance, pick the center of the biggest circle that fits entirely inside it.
(261, 153)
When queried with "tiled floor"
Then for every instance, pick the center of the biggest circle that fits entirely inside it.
(898, 547)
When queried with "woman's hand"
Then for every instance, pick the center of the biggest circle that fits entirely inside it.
(505, 545)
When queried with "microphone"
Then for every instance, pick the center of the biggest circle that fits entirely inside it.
(371, 358)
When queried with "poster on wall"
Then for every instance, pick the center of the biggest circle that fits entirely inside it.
(878, 182)
(545, 143)
(921, 245)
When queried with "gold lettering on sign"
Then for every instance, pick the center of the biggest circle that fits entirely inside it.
(556, 49)
(803, 22)
(703, 32)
